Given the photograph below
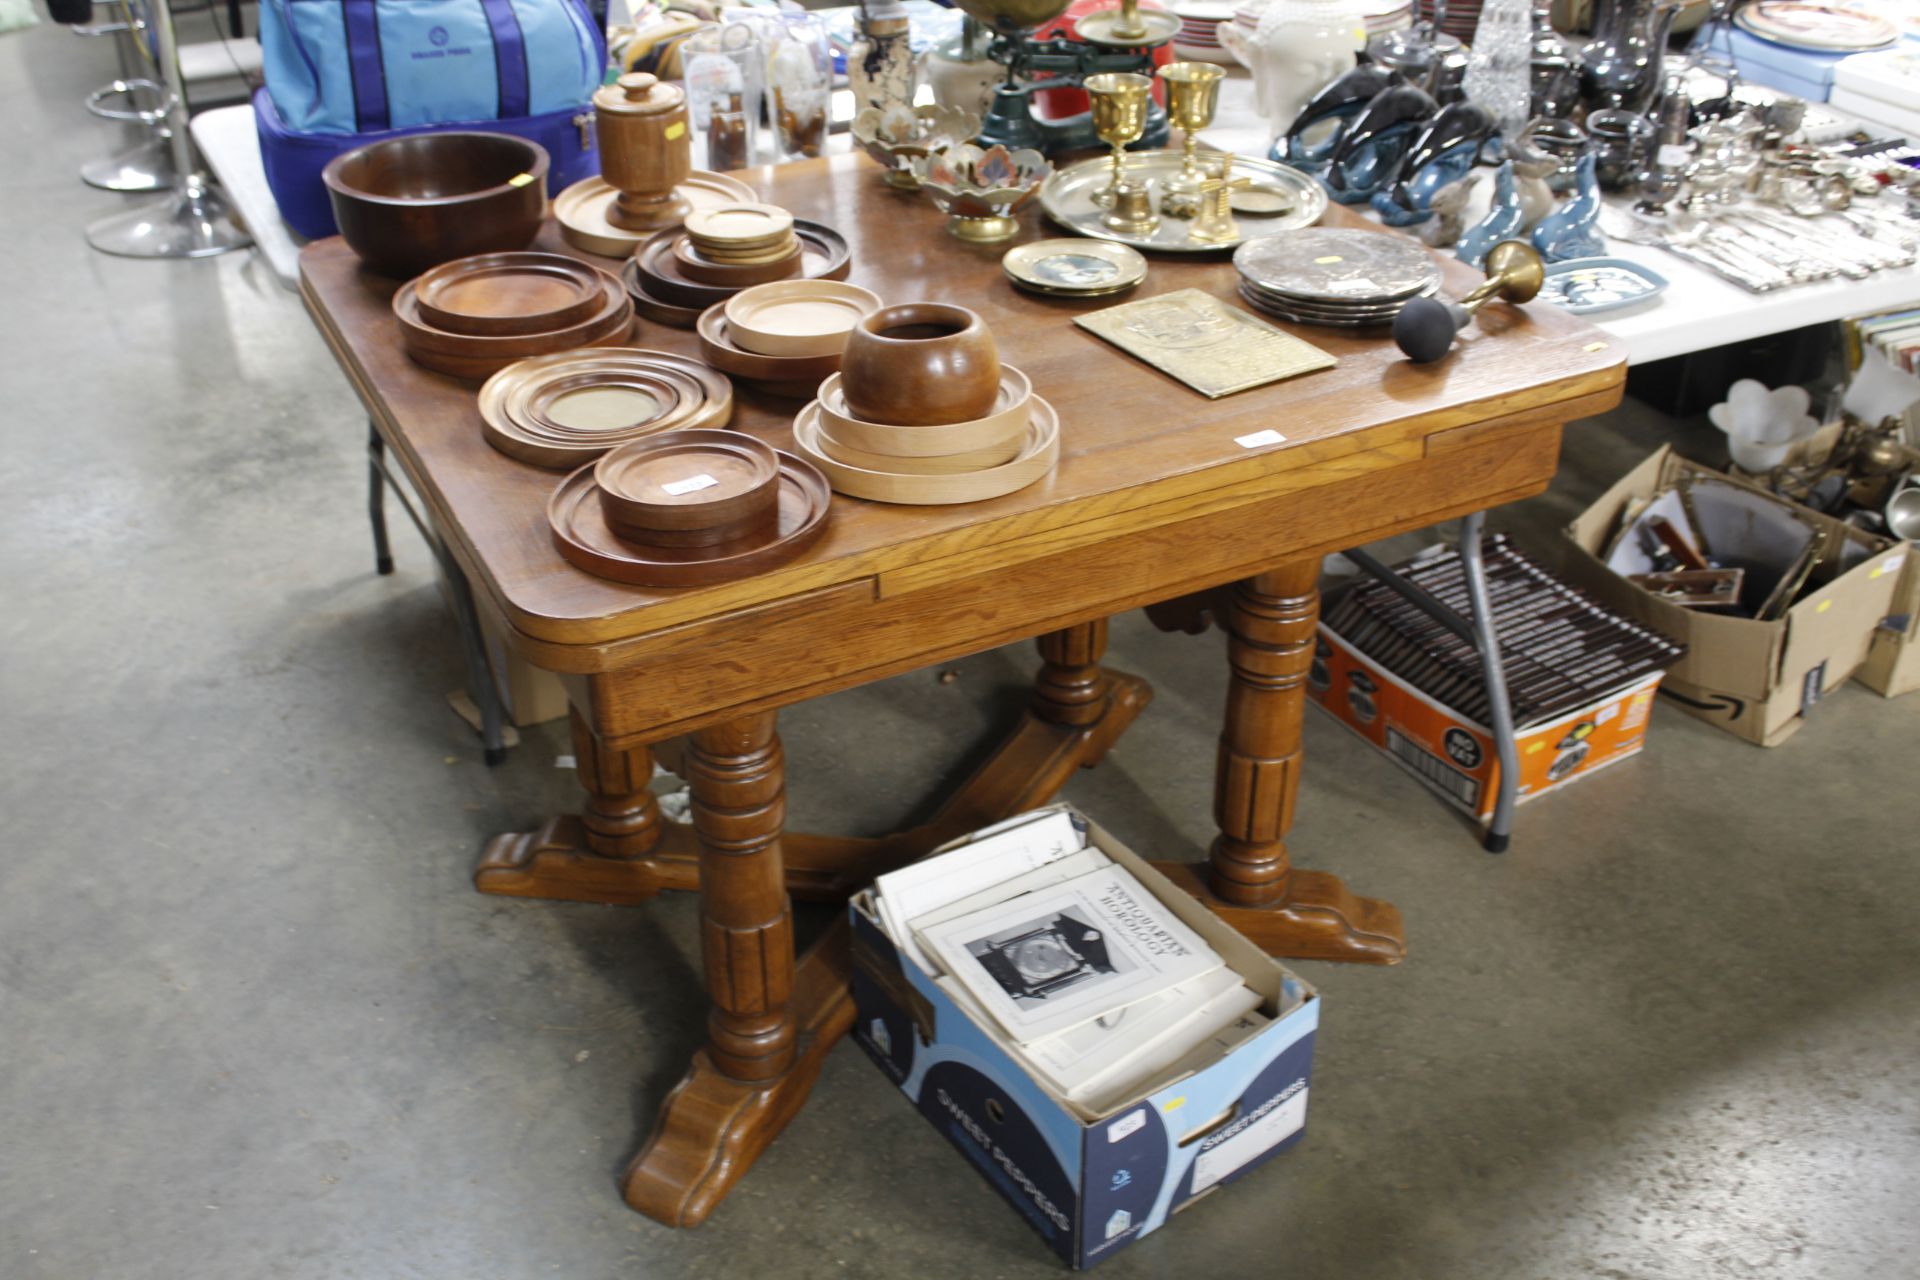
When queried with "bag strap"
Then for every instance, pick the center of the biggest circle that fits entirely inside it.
(509, 57)
(362, 20)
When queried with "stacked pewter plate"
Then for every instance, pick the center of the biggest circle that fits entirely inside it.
(1336, 277)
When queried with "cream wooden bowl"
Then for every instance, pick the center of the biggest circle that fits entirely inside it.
(938, 465)
(1007, 421)
(798, 317)
(1040, 449)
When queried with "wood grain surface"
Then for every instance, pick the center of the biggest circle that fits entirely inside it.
(1141, 454)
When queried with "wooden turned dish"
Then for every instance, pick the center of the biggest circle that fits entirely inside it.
(797, 317)
(739, 227)
(920, 364)
(410, 203)
(1039, 450)
(1008, 421)
(718, 348)
(509, 294)
(696, 266)
(688, 481)
(702, 398)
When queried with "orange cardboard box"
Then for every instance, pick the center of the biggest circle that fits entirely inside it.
(1454, 755)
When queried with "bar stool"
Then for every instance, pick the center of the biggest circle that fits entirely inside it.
(148, 165)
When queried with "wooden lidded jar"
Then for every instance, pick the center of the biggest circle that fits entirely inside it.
(645, 149)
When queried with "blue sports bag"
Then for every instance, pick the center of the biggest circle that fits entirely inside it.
(366, 66)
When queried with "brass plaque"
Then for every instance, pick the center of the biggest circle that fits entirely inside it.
(1212, 347)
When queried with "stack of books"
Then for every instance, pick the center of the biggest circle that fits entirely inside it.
(1087, 978)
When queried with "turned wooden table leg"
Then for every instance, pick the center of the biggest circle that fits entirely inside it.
(771, 1023)
(619, 849)
(1071, 689)
(1249, 879)
(746, 927)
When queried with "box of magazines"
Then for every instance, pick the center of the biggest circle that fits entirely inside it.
(1101, 1047)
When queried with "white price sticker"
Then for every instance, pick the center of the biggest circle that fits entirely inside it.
(1359, 284)
(692, 484)
(1258, 438)
(1126, 1126)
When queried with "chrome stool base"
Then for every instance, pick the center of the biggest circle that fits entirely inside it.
(191, 222)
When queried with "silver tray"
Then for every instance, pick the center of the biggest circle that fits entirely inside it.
(1067, 197)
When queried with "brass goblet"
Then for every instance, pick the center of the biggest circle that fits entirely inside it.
(1193, 91)
(1119, 101)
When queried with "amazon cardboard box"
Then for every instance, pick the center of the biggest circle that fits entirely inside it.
(1757, 680)
(1091, 1184)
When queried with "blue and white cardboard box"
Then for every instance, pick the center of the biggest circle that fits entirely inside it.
(1091, 1185)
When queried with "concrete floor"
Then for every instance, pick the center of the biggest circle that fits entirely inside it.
(254, 1023)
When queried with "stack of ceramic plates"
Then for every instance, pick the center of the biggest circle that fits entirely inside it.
(1199, 34)
(567, 409)
(581, 210)
(784, 338)
(1014, 445)
(673, 281)
(1074, 268)
(688, 508)
(474, 316)
(1334, 277)
(1463, 18)
(1826, 28)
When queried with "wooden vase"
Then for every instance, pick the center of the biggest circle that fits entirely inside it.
(920, 364)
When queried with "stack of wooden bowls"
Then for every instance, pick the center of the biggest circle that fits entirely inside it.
(677, 274)
(784, 337)
(923, 412)
(568, 409)
(473, 317)
(688, 508)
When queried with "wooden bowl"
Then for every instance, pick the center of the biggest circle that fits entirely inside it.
(718, 348)
(406, 204)
(920, 364)
(1008, 421)
(614, 311)
(716, 485)
(1039, 450)
(798, 317)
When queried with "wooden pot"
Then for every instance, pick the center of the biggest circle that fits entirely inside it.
(645, 150)
(920, 364)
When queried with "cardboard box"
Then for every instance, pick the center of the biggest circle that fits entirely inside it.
(1757, 680)
(1091, 1185)
(528, 695)
(1455, 756)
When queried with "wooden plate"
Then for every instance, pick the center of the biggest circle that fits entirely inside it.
(824, 253)
(660, 274)
(480, 368)
(418, 334)
(1039, 451)
(757, 256)
(696, 266)
(654, 308)
(688, 481)
(589, 405)
(522, 402)
(707, 401)
(1008, 420)
(508, 294)
(581, 534)
(718, 349)
(797, 317)
(936, 465)
(739, 225)
(581, 210)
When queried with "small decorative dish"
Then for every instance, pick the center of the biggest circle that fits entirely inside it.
(1586, 285)
(1074, 267)
(980, 190)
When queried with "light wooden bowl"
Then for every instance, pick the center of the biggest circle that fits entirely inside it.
(1040, 449)
(1007, 421)
(798, 317)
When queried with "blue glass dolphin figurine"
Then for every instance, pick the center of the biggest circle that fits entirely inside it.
(1503, 220)
(1444, 151)
(1371, 149)
(1309, 141)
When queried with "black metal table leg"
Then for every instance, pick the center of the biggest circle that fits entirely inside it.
(377, 500)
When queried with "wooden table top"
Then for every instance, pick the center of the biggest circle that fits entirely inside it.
(1132, 439)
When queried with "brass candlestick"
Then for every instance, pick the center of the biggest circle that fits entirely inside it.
(1193, 92)
(1119, 101)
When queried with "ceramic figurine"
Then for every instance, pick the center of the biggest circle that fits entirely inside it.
(1573, 230)
(882, 70)
(1445, 150)
(1501, 223)
(1449, 207)
(1298, 48)
(1371, 149)
(1309, 141)
(1532, 167)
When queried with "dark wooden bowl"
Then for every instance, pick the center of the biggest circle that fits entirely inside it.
(920, 364)
(407, 204)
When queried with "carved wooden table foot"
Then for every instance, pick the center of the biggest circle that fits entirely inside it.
(1249, 880)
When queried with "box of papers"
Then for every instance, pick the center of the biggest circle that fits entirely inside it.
(1102, 1048)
